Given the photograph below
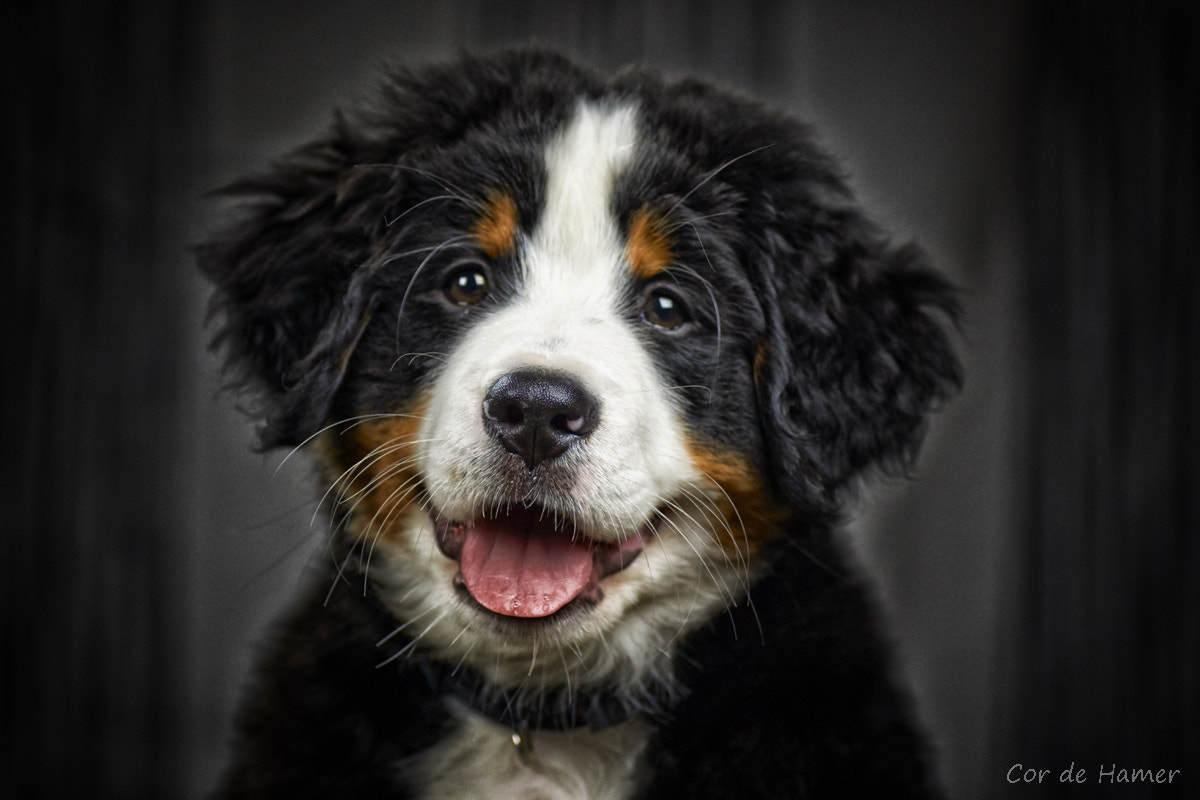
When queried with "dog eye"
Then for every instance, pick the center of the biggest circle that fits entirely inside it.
(467, 285)
(663, 308)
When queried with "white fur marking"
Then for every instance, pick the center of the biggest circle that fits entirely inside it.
(480, 762)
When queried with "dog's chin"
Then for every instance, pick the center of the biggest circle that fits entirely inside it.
(526, 566)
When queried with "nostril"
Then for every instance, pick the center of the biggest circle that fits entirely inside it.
(537, 414)
(503, 411)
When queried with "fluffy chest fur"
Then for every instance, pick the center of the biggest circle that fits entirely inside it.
(585, 364)
(483, 761)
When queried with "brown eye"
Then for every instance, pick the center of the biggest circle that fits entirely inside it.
(467, 285)
(664, 309)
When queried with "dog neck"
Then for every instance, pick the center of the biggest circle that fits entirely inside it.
(526, 708)
(543, 709)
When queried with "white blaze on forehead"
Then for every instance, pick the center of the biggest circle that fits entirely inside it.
(576, 246)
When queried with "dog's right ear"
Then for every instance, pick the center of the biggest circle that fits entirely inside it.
(291, 277)
(293, 273)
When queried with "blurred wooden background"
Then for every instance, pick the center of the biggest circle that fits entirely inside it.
(1043, 572)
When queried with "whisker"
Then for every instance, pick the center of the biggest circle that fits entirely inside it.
(414, 356)
(455, 191)
(698, 218)
(451, 242)
(288, 552)
(358, 420)
(567, 674)
(404, 625)
(404, 490)
(345, 480)
(471, 647)
(704, 560)
(457, 636)
(374, 457)
(713, 174)
(338, 577)
(390, 222)
(533, 659)
(704, 501)
(408, 648)
(762, 634)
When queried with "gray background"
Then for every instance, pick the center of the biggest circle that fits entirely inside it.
(1041, 569)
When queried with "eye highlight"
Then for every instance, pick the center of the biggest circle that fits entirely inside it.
(665, 309)
(467, 284)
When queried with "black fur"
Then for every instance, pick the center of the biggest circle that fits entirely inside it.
(821, 348)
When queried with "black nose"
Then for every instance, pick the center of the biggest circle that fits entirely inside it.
(537, 414)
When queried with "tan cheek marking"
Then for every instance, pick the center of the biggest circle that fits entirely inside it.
(750, 517)
(648, 249)
(496, 229)
(373, 469)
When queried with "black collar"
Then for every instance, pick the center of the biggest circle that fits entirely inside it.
(543, 709)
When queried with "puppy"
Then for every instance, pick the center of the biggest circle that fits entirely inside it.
(587, 365)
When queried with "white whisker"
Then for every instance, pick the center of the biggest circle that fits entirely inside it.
(452, 241)
(389, 223)
(338, 577)
(712, 175)
(350, 422)
(411, 646)
(456, 192)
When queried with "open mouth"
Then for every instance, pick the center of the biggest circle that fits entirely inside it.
(523, 562)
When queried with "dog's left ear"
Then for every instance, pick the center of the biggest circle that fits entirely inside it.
(856, 353)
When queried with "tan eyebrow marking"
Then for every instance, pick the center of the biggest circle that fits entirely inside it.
(496, 228)
(648, 249)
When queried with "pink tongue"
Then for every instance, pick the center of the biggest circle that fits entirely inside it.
(522, 567)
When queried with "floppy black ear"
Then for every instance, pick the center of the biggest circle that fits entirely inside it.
(856, 355)
(292, 283)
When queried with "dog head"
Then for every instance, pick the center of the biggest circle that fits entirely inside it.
(573, 352)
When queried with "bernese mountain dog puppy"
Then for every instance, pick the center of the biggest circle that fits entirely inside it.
(587, 365)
